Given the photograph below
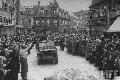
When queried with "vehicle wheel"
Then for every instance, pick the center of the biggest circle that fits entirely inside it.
(39, 62)
(56, 61)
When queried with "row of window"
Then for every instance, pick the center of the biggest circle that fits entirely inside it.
(55, 12)
(43, 12)
(5, 20)
(50, 23)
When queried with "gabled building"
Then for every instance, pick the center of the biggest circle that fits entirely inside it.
(9, 15)
(50, 17)
(43, 18)
(103, 14)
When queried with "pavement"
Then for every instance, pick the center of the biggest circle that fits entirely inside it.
(65, 61)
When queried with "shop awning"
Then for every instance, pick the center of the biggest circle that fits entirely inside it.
(115, 27)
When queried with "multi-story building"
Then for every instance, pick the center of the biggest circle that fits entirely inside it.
(99, 17)
(50, 17)
(26, 20)
(103, 14)
(39, 18)
(8, 16)
(74, 22)
(82, 20)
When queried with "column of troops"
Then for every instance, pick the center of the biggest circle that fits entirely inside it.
(103, 51)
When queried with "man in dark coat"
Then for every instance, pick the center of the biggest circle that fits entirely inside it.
(62, 45)
(14, 65)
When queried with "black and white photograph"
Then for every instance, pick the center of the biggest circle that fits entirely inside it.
(59, 39)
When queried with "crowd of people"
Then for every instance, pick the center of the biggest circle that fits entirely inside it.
(101, 50)
(13, 56)
(14, 51)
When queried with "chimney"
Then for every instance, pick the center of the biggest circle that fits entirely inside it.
(38, 3)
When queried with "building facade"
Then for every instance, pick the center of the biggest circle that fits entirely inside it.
(8, 16)
(39, 18)
(50, 18)
(99, 16)
(26, 20)
(82, 20)
(103, 13)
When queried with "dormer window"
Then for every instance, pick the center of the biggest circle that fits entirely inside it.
(48, 22)
(54, 11)
(42, 12)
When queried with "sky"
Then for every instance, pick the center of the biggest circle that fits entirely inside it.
(69, 5)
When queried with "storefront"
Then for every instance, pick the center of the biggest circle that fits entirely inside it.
(9, 30)
(20, 29)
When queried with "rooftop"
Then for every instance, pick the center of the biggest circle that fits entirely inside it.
(95, 2)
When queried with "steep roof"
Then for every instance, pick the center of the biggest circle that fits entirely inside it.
(95, 2)
(46, 7)
(115, 27)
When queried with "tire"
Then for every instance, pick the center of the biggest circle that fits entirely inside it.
(39, 62)
(55, 61)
